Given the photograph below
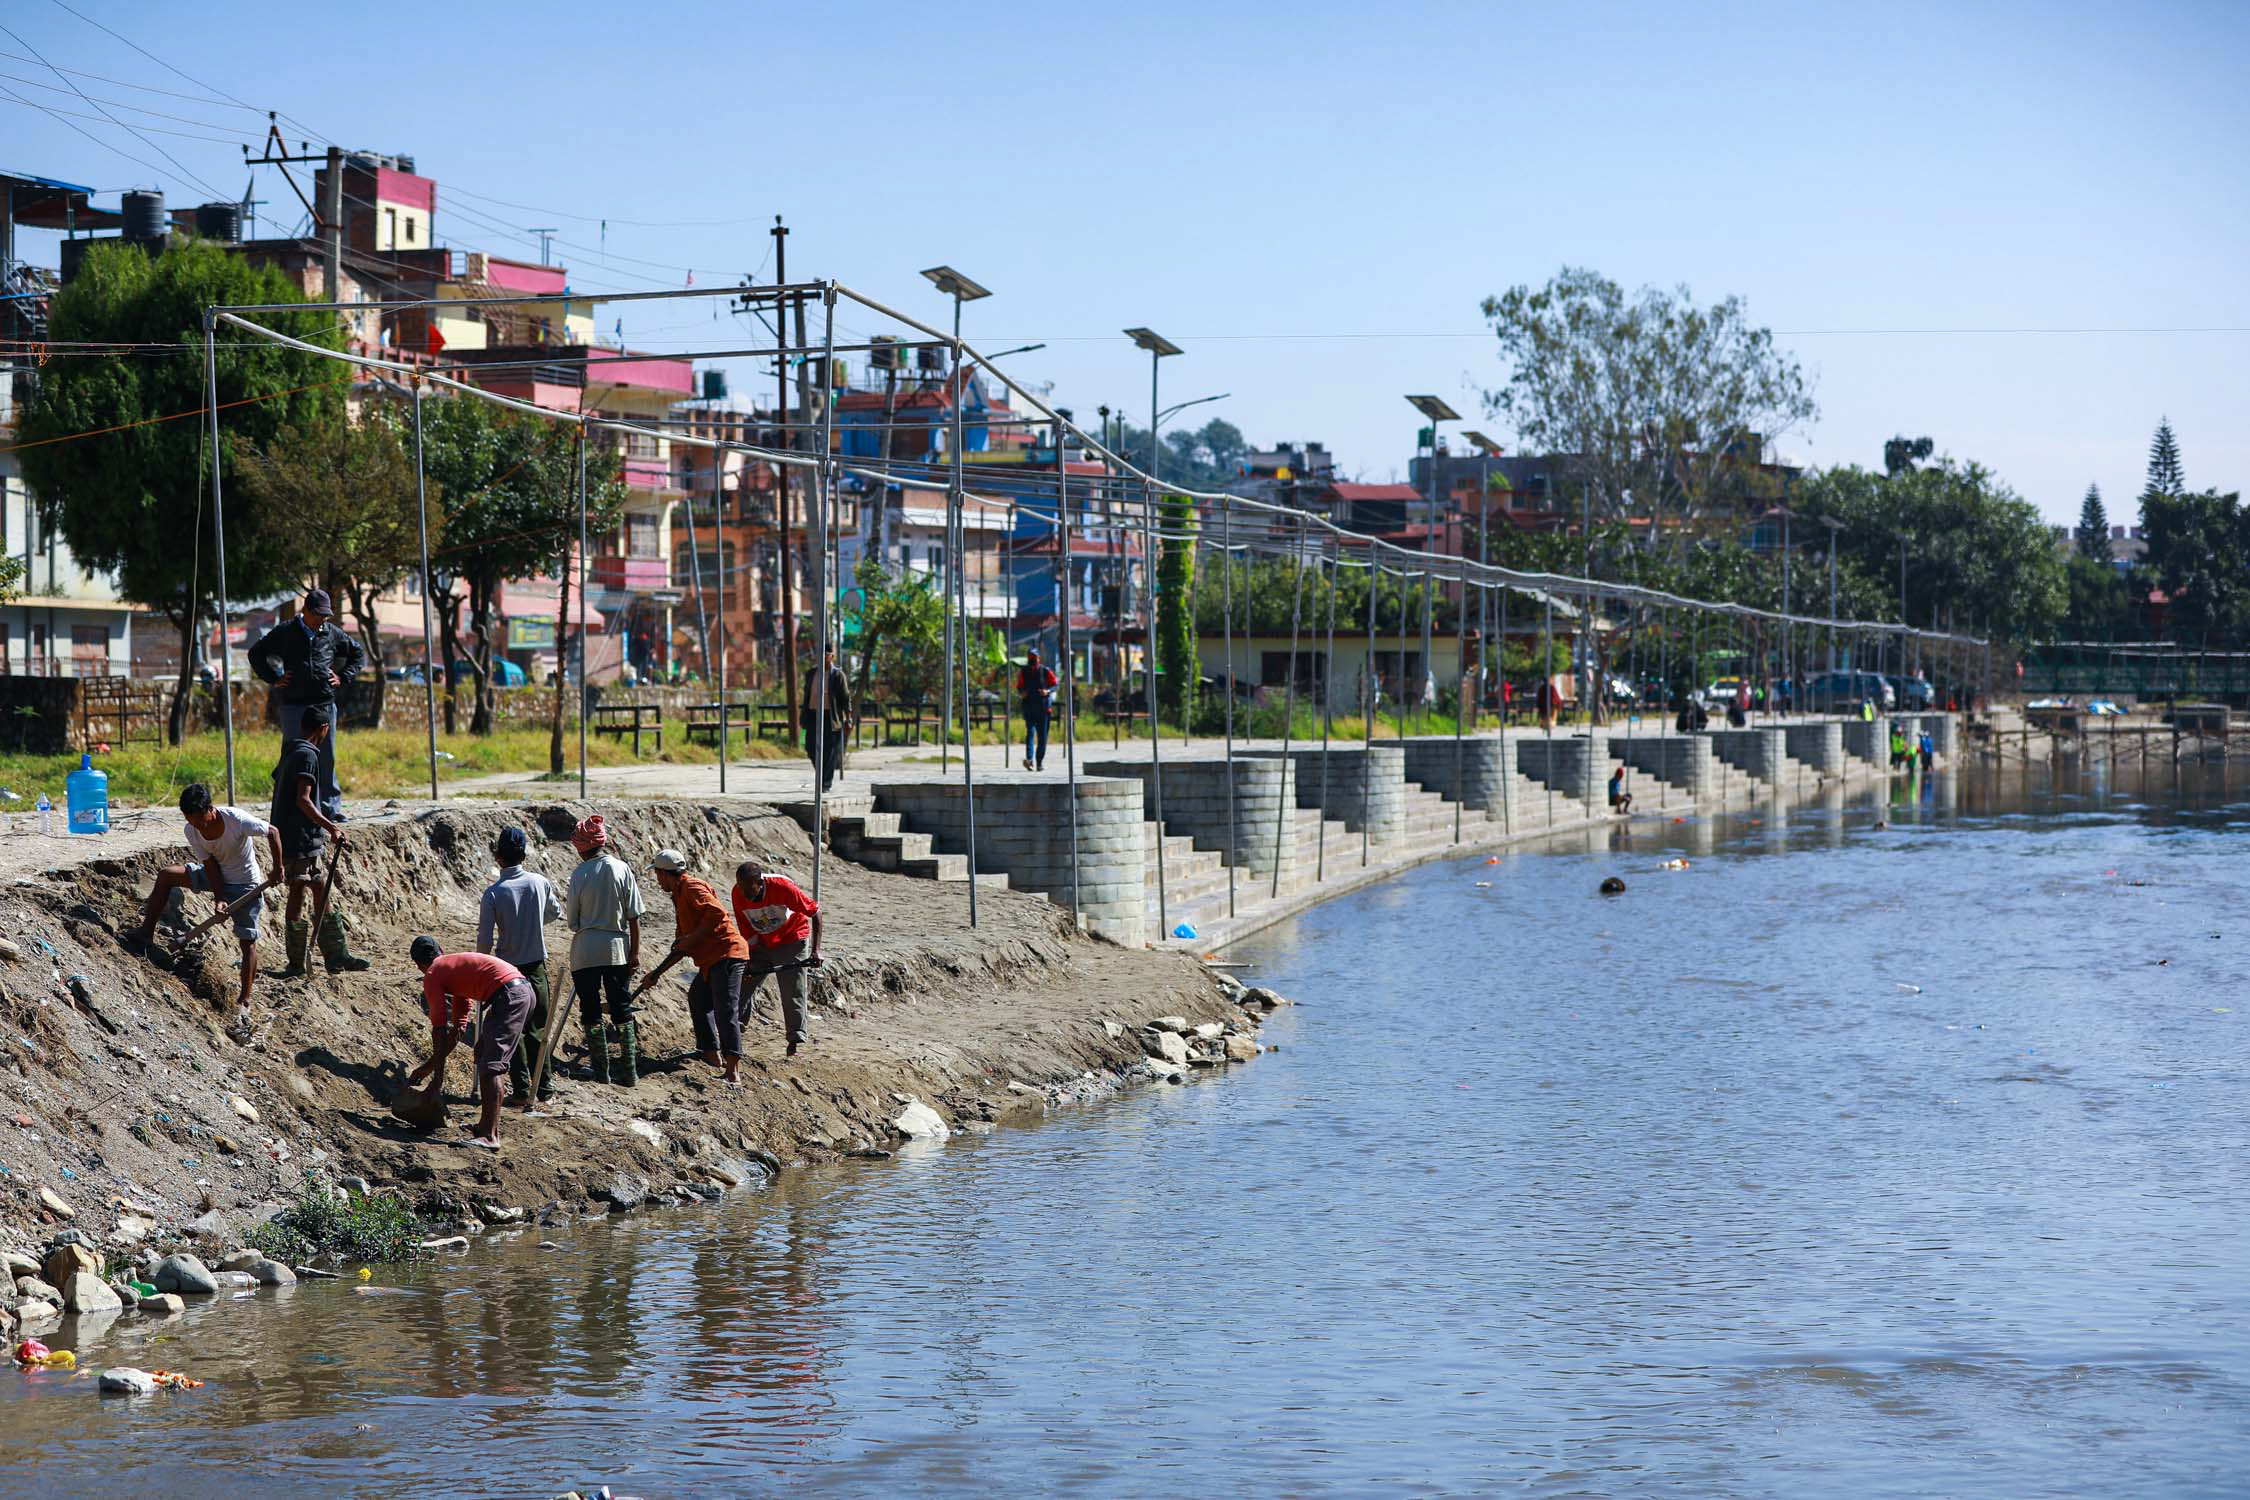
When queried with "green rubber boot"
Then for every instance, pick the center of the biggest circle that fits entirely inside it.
(298, 935)
(597, 1054)
(334, 951)
(628, 1070)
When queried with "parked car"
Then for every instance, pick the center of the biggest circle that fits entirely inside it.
(1914, 694)
(505, 673)
(1843, 692)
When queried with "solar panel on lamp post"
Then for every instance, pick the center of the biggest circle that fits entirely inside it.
(961, 289)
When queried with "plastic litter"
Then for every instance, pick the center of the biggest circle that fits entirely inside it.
(87, 791)
(46, 819)
(1183, 931)
(1484, 885)
(364, 1273)
(33, 1355)
(1910, 989)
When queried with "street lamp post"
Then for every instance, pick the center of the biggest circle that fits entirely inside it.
(1437, 411)
(1159, 349)
(961, 289)
(1833, 526)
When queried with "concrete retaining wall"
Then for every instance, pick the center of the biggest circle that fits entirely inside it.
(1754, 752)
(1195, 805)
(1868, 740)
(1363, 786)
(1681, 761)
(1576, 765)
(1023, 830)
(1479, 772)
(1819, 746)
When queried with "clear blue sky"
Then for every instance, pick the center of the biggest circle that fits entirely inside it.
(1313, 198)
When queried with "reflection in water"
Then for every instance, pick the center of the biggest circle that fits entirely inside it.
(1891, 1163)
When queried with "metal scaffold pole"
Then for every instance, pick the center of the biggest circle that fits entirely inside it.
(1148, 673)
(1282, 804)
(1327, 715)
(429, 651)
(219, 545)
(1063, 589)
(1226, 562)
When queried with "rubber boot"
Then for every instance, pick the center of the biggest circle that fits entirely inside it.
(628, 1070)
(334, 951)
(597, 1054)
(298, 935)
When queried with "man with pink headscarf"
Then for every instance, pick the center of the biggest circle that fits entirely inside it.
(604, 909)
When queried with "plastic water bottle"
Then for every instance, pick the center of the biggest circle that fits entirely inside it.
(46, 814)
(88, 795)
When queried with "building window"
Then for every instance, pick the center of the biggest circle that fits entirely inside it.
(410, 231)
(936, 555)
(89, 650)
(390, 230)
(640, 535)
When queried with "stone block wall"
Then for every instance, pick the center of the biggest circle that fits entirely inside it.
(1576, 765)
(1754, 752)
(1195, 798)
(1867, 740)
(1819, 745)
(1024, 831)
(1365, 787)
(1479, 772)
(1683, 761)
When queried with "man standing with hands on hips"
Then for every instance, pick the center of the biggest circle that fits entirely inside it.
(308, 659)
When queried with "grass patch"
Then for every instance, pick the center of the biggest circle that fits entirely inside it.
(323, 1220)
(370, 763)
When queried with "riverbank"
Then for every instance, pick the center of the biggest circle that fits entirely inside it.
(139, 1124)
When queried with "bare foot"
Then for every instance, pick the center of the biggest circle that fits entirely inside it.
(482, 1142)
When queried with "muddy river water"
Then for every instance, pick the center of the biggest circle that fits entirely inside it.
(1891, 1162)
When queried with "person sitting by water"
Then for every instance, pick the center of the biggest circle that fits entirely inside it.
(1620, 800)
(455, 987)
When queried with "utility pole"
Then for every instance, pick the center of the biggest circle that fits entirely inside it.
(332, 221)
(785, 609)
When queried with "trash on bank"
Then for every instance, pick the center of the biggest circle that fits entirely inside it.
(1183, 931)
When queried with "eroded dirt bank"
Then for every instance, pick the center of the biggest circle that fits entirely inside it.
(132, 1121)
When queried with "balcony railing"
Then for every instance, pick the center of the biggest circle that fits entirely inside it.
(634, 574)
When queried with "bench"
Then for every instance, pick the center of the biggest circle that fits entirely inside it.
(635, 719)
(703, 719)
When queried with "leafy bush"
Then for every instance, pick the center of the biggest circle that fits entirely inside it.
(324, 1220)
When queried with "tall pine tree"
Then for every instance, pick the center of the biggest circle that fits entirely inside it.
(2093, 526)
(2165, 476)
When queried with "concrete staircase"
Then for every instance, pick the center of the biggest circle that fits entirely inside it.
(857, 832)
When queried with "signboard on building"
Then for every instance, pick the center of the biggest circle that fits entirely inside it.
(531, 633)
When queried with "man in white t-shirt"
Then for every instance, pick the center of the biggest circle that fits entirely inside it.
(223, 842)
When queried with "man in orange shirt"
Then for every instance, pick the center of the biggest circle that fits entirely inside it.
(777, 919)
(704, 932)
(456, 986)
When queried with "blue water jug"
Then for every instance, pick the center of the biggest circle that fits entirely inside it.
(89, 798)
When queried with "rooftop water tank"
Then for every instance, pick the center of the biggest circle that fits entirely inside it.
(219, 221)
(144, 216)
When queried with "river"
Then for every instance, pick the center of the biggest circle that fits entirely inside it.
(1892, 1161)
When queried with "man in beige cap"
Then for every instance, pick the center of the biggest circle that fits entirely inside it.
(704, 932)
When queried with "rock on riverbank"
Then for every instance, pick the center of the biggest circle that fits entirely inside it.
(122, 1122)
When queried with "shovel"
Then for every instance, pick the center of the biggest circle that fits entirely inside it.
(238, 904)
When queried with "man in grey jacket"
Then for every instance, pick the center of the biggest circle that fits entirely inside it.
(308, 659)
(511, 926)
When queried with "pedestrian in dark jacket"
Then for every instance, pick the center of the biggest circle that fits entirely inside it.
(1035, 685)
(826, 718)
(308, 659)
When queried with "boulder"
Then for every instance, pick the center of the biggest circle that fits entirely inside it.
(240, 1260)
(126, 1292)
(132, 1228)
(620, 1190)
(1227, 982)
(85, 1292)
(1114, 1030)
(32, 1289)
(1164, 1046)
(162, 1305)
(242, 1107)
(1210, 1031)
(919, 1122)
(184, 1273)
(124, 1380)
(272, 1273)
(32, 1315)
(1241, 1048)
(1260, 998)
(55, 1205)
(19, 1264)
(1170, 1023)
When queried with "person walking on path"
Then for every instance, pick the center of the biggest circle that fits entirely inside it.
(223, 847)
(308, 659)
(778, 921)
(1548, 701)
(1035, 685)
(604, 908)
(512, 923)
(704, 933)
(826, 718)
(302, 823)
(456, 987)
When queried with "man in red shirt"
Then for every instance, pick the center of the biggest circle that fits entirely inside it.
(456, 986)
(777, 919)
(703, 932)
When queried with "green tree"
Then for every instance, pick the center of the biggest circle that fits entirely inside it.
(902, 634)
(508, 487)
(1902, 453)
(2165, 476)
(1662, 404)
(2100, 606)
(2199, 554)
(1176, 663)
(2093, 527)
(116, 448)
(351, 484)
(1202, 458)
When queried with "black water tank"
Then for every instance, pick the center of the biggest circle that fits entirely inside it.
(145, 218)
(929, 357)
(714, 385)
(219, 221)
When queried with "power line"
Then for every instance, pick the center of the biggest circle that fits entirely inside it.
(121, 104)
(142, 87)
(69, 114)
(152, 57)
(120, 124)
(607, 218)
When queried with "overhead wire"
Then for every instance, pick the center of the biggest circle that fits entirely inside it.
(120, 124)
